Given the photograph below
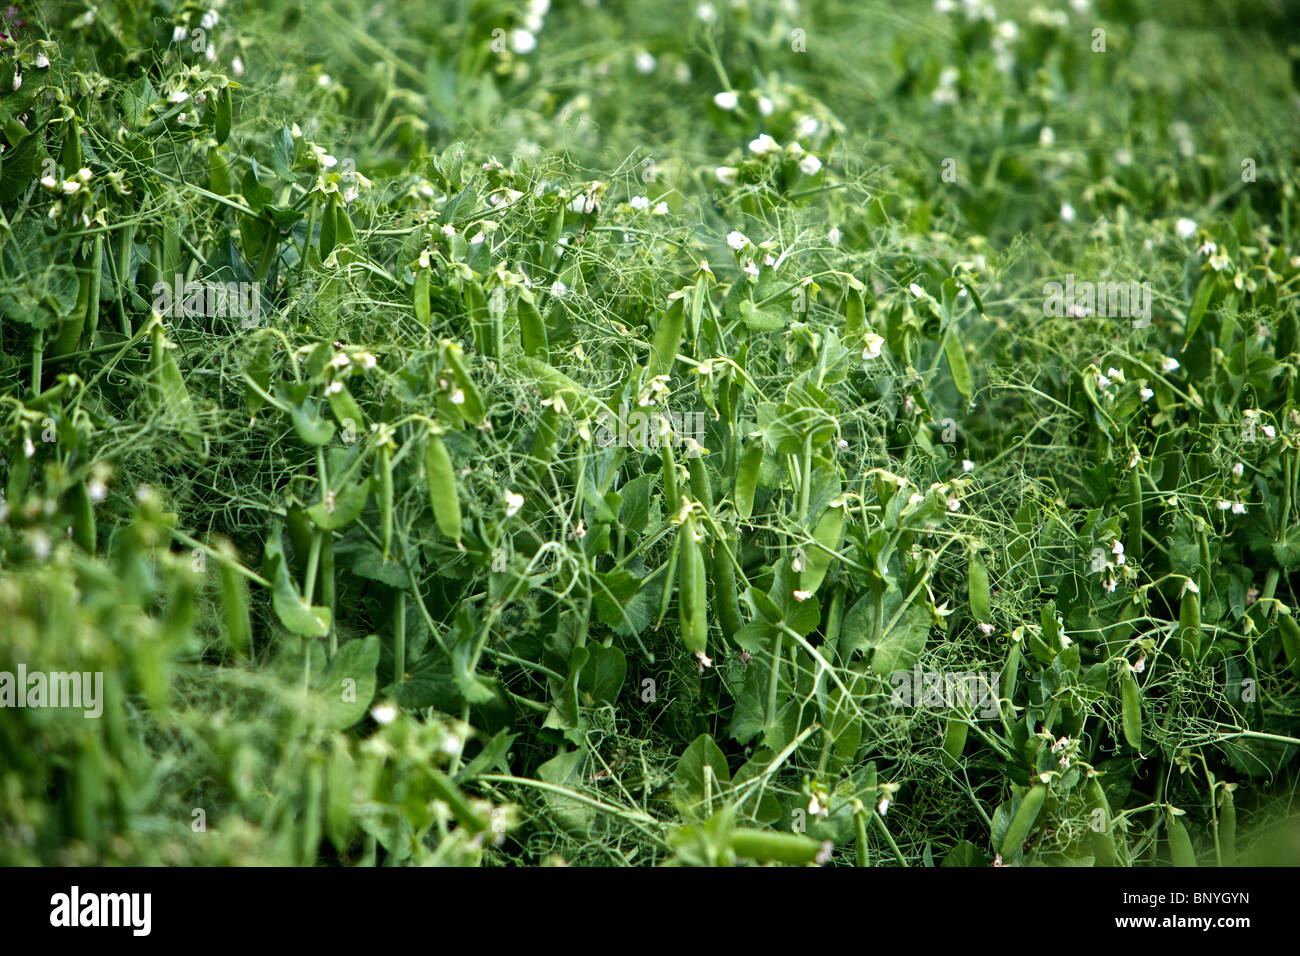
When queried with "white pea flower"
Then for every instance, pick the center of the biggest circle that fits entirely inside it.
(383, 713)
(807, 127)
(810, 165)
(765, 107)
(237, 66)
(704, 661)
(1170, 364)
(514, 502)
(916, 290)
(1269, 431)
(645, 62)
(987, 629)
(1145, 393)
(522, 42)
(802, 596)
(639, 202)
(726, 100)
(954, 504)
(1238, 469)
(725, 175)
(737, 240)
(967, 465)
(1223, 505)
(1186, 228)
(1109, 585)
(661, 209)
(449, 230)
(458, 397)
(208, 20)
(1067, 212)
(1238, 508)
(1141, 665)
(178, 34)
(763, 144)
(874, 343)
(1046, 137)
(706, 13)
(883, 806)
(559, 289)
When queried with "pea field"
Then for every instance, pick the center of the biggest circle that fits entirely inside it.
(650, 433)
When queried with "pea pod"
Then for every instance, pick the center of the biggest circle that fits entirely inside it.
(442, 488)
(1103, 840)
(1228, 828)
(1180, 844)
(234, 601)
(472, 407)
(1289, 631)
(855, 317)
(1189, 626)
(384, 495)
(1023, 821)
(1010, 672)
(532, 330)
(793, 848)
(345, 407)
(954, 740)
(477, 310)
(747, 480)
(726, 594)
(1130, 707)
(691, 601)
(668, 337)
(977, 587)
(420, 297)
(83, 517)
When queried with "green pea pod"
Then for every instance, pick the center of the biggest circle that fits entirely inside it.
(726, 595)
(1010, 672)
(532, 330)
(83, 517)
(1228, 829)
(224, 111)
(1180, 844)
(472, 407)
(691, 598)
(1103, 840)
(1130, 707)
(668, 337)
(329, 233)
(1023, 821)
(670, 577)
(1189, 627)
(384, 495)
(855, 317)
(1289, 631)
(345, 407)
(977, 587)
(445, 790)
(420, 297)
(792, 848)
(747, 480)
(479, 322)
(954, 740)
(671, 498)
(234, 602)
(700, 487)
(442, 488)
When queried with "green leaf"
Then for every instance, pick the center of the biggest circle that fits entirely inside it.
(602, 677)
(349, 686)
(688, 778)
(898, 647)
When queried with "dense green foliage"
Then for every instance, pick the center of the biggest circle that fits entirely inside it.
(372, 577)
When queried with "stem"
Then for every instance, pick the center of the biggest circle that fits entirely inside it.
(399, 640)
(38, 357)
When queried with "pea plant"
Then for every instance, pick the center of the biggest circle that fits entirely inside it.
(527, 434)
